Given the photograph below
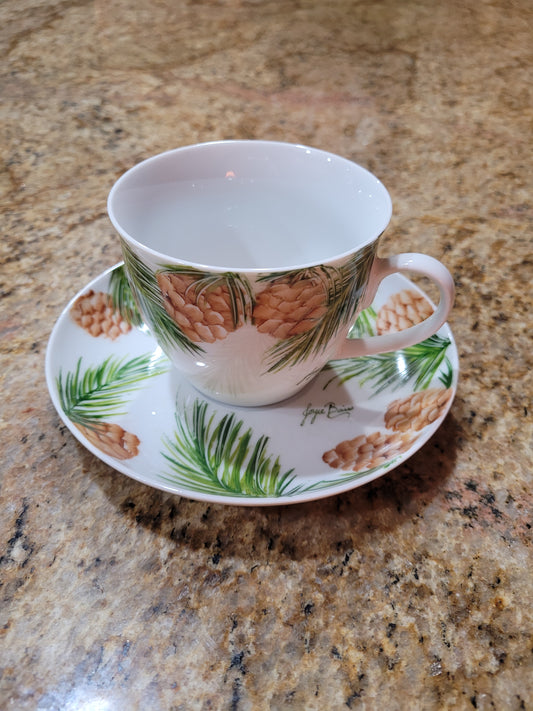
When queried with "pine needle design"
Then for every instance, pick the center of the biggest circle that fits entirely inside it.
(88, 397)
(107, 314)
(365, 324)
(149, 298)
(304, 309)
(218, 457)
(122, 297)
(421, 363)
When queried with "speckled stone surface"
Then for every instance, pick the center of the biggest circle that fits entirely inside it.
(412, 592)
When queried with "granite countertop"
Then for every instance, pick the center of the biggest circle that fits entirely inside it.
(413, 591)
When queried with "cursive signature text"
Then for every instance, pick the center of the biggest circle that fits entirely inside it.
(330, 411)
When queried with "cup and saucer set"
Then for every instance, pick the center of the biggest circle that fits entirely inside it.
(252, 348)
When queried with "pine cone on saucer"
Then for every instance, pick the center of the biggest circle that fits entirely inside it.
(111, 439)
(402, 310)
(367, 451)
(95, 312)
(418, 410)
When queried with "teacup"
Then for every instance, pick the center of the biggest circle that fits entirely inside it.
(251, 260)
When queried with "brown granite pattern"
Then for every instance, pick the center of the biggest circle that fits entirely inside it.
(412, 592)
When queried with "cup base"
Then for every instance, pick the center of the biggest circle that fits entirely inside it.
(250, 400)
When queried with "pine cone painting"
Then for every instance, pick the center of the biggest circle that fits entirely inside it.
(417, 410)
(290, 306)
(367, 451)
(206, 307)
(111, 439)
(404, 309)
(96, 314)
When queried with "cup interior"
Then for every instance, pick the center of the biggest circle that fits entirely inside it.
(249, 205)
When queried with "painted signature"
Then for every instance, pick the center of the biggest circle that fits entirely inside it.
(330, 411)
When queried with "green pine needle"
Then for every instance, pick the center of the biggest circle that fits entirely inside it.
(446, 377)
(344, 287)
(219, 458)
(122, 297)
(346, 477)
(365, 324)
(420, 363)
(90, 395)
(148, 294)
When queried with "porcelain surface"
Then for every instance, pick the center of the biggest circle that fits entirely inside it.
(360, 418)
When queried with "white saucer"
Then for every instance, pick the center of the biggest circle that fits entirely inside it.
(140, 417)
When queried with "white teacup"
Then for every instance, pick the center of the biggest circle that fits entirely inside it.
(251, 260)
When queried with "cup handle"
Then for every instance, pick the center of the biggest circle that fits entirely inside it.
(407, 262)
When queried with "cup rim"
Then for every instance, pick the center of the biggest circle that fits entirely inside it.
(162, 257)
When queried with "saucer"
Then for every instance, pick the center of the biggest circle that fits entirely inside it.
(360, 418)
